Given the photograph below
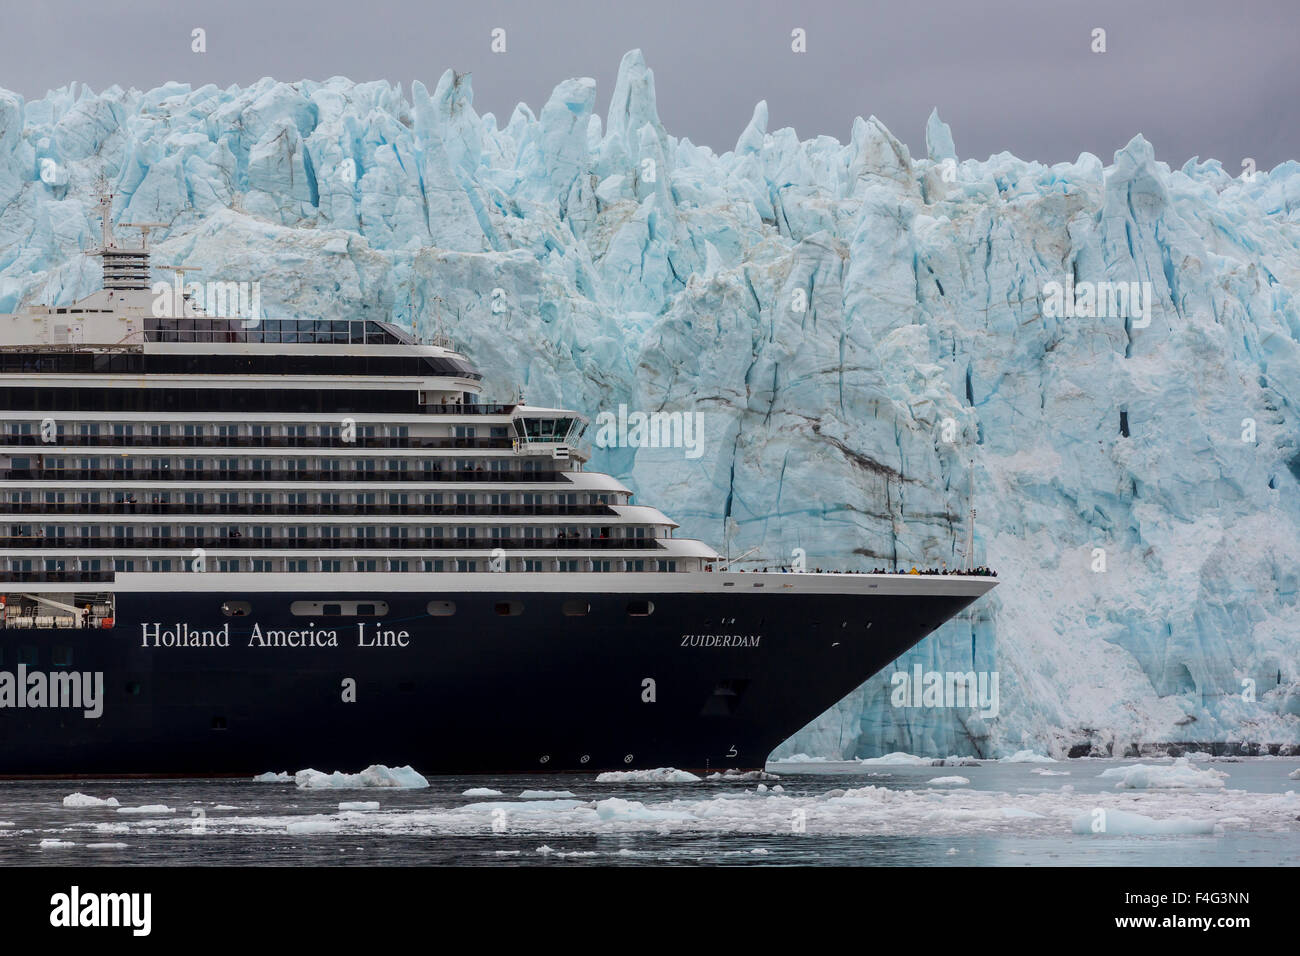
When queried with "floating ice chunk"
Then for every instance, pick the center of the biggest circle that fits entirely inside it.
(897, 759)
(1050, 773)
(1294, 774)
(546, 795)
(80, 800)
(949, 781)
(1126, 823)
(956, 762)
(153, 809)
(56, 844)
(270, 777)
(481, 792)
(1181, 776)
(740, 775)
(359, 805)
(758, 851)
(106, 846)
(300, 827)
(658, 775)
(1026, 756)
(804, 758)
(1019, 813)
(615, 808)
(376, 775)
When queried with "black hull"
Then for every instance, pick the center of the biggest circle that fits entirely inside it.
(475, 692)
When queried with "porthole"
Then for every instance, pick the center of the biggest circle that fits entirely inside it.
(576, 608)
(508, 608)
(640, 608)
(441, 608)
(236, 608)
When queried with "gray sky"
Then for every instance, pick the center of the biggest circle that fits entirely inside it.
(1197, 77)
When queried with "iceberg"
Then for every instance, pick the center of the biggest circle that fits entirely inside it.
(1106, 351)
(82, 800)
(376, 775)
(658, 775)
(1127, 823)
(1180, 776)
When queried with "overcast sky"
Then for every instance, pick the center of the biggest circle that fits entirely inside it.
(1196, 77)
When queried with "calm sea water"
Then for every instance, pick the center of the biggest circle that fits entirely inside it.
(842, 813)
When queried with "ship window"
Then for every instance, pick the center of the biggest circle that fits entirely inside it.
(62, 656)
(640, 608)
(236, 608)
(576, 608)
(338, 609)
(442, 608)
(508, 608)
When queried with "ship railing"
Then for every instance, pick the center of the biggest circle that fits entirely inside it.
(486, 408)
(242, 543)
(397, 510)
(483, 476)
(56, 577)
(245, 441)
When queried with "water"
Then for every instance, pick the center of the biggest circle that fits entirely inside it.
(1008, 814)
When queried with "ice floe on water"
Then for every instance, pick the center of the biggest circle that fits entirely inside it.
(481, 792)
(741, 775)
(658, 775)
(896, 759)
(376, 775)
(1294, 774)
(149, 809)
(927, 810)
(1125, 823)
(359, 805)
(1026, 756)
(1180, 776)
(1043, 772)
(949, 781)
(272, 777)
(82, 800)
(546, 795)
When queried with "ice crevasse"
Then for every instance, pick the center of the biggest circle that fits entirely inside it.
(864, 333)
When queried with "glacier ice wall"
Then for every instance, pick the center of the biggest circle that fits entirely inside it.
(858, 327)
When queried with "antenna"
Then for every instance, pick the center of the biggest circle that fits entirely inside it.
(144, 228)
(180, 283)
(105, 194)
(970, 528)
(440, 336)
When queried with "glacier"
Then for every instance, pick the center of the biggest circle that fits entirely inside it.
(861, 330)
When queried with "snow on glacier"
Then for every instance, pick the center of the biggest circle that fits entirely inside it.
(856, 326)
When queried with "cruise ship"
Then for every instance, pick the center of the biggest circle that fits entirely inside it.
(235, 545)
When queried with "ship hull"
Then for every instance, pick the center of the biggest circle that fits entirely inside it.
(704, 681)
